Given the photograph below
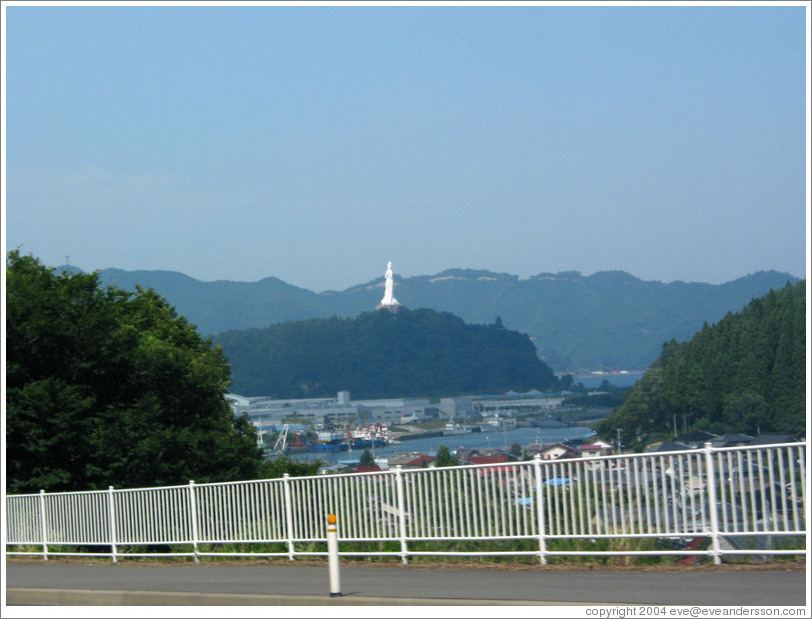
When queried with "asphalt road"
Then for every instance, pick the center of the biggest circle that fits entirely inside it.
(76, 583)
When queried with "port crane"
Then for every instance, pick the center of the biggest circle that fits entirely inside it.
(281, 443)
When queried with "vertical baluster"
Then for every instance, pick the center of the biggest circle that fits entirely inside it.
(770, 455)
(793, 497)
(710, 477)
(765, 520)
(781, 489)
(288, 514)
(540, 507)
(111, 500)
(193, 520)
(401, 514)
(636, 525)
(43, 525)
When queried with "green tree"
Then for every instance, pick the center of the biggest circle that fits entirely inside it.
(107, 387)
(271, 469)
(747, 412)
(445, 457)
(366, 459)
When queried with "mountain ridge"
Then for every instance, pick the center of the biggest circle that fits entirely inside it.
(609, 319)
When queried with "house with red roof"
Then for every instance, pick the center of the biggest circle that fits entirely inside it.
(414, 460)
(555, 451)
(488, 459)
(598, 448)
(372, 468)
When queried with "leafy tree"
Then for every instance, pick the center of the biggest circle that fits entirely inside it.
(366, 459)
(271, 469)
(106, 387)
(445, 457)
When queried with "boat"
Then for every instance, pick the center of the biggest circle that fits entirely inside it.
(297, 444)
(550, 422)
(329, 447)
(366, 443)
(497, 424)
(330, 437)
(374, 435)
(330, 442)
(455, 428)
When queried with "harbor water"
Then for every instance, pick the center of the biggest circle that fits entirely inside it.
(473, 440)
(618, 380)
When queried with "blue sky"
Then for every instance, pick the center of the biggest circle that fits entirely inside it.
(315, 144)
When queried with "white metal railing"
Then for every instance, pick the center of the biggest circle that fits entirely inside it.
(742, 500)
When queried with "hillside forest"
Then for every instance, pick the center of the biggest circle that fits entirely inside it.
(408, 353)
(745, 374)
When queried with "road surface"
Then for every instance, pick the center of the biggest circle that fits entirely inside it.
(36, 582)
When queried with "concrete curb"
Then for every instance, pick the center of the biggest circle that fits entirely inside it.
(95, 597)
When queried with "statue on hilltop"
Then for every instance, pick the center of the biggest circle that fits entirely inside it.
(389, 301)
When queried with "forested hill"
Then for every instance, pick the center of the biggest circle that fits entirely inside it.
(577, 322)
(408, 353)
(747, 373)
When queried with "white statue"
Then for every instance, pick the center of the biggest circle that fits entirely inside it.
(388, 299)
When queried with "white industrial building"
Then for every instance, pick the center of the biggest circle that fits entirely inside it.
(338, 410)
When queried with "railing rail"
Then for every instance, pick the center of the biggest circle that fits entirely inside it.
(743, 500)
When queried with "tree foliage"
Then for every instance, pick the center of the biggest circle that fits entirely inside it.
(367, 459)
(607, 396)
(106, 387)
(745, 374)
(282, 465)
(445, 457)
(383, 354)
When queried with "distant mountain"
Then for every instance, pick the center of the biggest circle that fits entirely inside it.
(223, 305)
(609, 320)
(408, 353)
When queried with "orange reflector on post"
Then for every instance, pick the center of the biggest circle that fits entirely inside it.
(331, 519)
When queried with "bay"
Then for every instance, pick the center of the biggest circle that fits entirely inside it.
(618, 380)
(472, 440)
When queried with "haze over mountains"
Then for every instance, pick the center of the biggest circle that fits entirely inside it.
(610, 320)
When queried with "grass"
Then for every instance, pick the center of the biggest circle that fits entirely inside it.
(367, 553)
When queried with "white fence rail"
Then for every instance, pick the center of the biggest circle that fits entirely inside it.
(740, 501)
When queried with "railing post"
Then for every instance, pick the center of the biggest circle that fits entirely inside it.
(401, 513)
(540, 510)
(43, 525)
(193, 518)
(288, 514)
(714, 515)
(112, 524)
